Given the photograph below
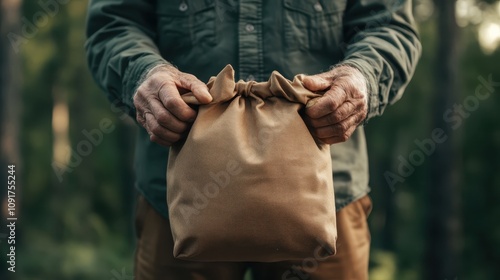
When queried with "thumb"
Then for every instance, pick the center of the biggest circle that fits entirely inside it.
(315, 83)
(200, 92)
(198, 88)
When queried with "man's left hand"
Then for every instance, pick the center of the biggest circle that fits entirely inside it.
(334, 116)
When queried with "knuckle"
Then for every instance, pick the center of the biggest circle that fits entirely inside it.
(343, 128)
(331, 102)
(320, 133)
(351, 107)
(139, 119)
(171, 103)
(313, 123)
(331, 118)
(340, 114)
(198, 87)
(163, 117)
(358, 108)
(360, 117)
(189, 79)
(176, 137)
(183, 127)
(343, 83)
(156, 129)
(344, 137)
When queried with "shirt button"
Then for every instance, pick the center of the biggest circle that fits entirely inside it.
(318, 7)
(183, 7)
(250, 78)
(249, 27)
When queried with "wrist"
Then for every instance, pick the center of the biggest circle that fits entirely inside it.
(158, 68)
(356, 76)
(151, 71)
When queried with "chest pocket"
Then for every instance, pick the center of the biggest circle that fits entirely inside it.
(183, 24)
(313, 24)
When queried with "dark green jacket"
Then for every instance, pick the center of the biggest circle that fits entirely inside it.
(126, 38)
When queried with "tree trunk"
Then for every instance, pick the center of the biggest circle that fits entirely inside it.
(9, 117)
(444, 193)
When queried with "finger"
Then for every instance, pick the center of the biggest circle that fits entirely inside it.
(165, 118)
(343, 112)
(339, 139)
(315, 83)
(157, 140)
(327, 104)
(197, 87)
(158, 133)
(339, 130)
(140, 104)
(172, 101)
(140, 119)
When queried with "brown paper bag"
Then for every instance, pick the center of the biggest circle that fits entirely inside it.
(250, 183)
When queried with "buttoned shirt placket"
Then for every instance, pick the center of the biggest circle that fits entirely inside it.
(250, 40)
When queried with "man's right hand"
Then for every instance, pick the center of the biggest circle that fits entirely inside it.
(160, 108)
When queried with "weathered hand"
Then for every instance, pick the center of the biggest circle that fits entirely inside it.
(334, 116)
(160, 108)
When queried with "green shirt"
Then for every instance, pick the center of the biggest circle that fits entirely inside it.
(126, 38)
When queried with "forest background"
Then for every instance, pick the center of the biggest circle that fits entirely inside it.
(434, 155)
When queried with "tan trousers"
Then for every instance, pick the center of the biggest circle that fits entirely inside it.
(154, 259)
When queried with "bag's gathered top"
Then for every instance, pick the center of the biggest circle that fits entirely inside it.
(224, 88)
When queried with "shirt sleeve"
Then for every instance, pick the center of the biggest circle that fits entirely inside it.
(121, 46)
(382, 42)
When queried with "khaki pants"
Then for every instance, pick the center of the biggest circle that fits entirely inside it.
(154, 259)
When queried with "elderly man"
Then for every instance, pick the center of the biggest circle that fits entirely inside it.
(146, 53)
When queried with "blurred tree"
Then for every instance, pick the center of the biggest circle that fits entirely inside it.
(444, 193)
(9, 118)
(79, 214)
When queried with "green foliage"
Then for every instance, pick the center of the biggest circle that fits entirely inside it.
(81, 228)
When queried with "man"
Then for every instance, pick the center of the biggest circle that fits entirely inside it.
(146, 53)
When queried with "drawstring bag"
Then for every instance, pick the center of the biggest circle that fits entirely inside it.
(250, 183)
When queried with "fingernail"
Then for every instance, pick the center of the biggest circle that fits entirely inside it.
(312, 103)
(210, 97)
